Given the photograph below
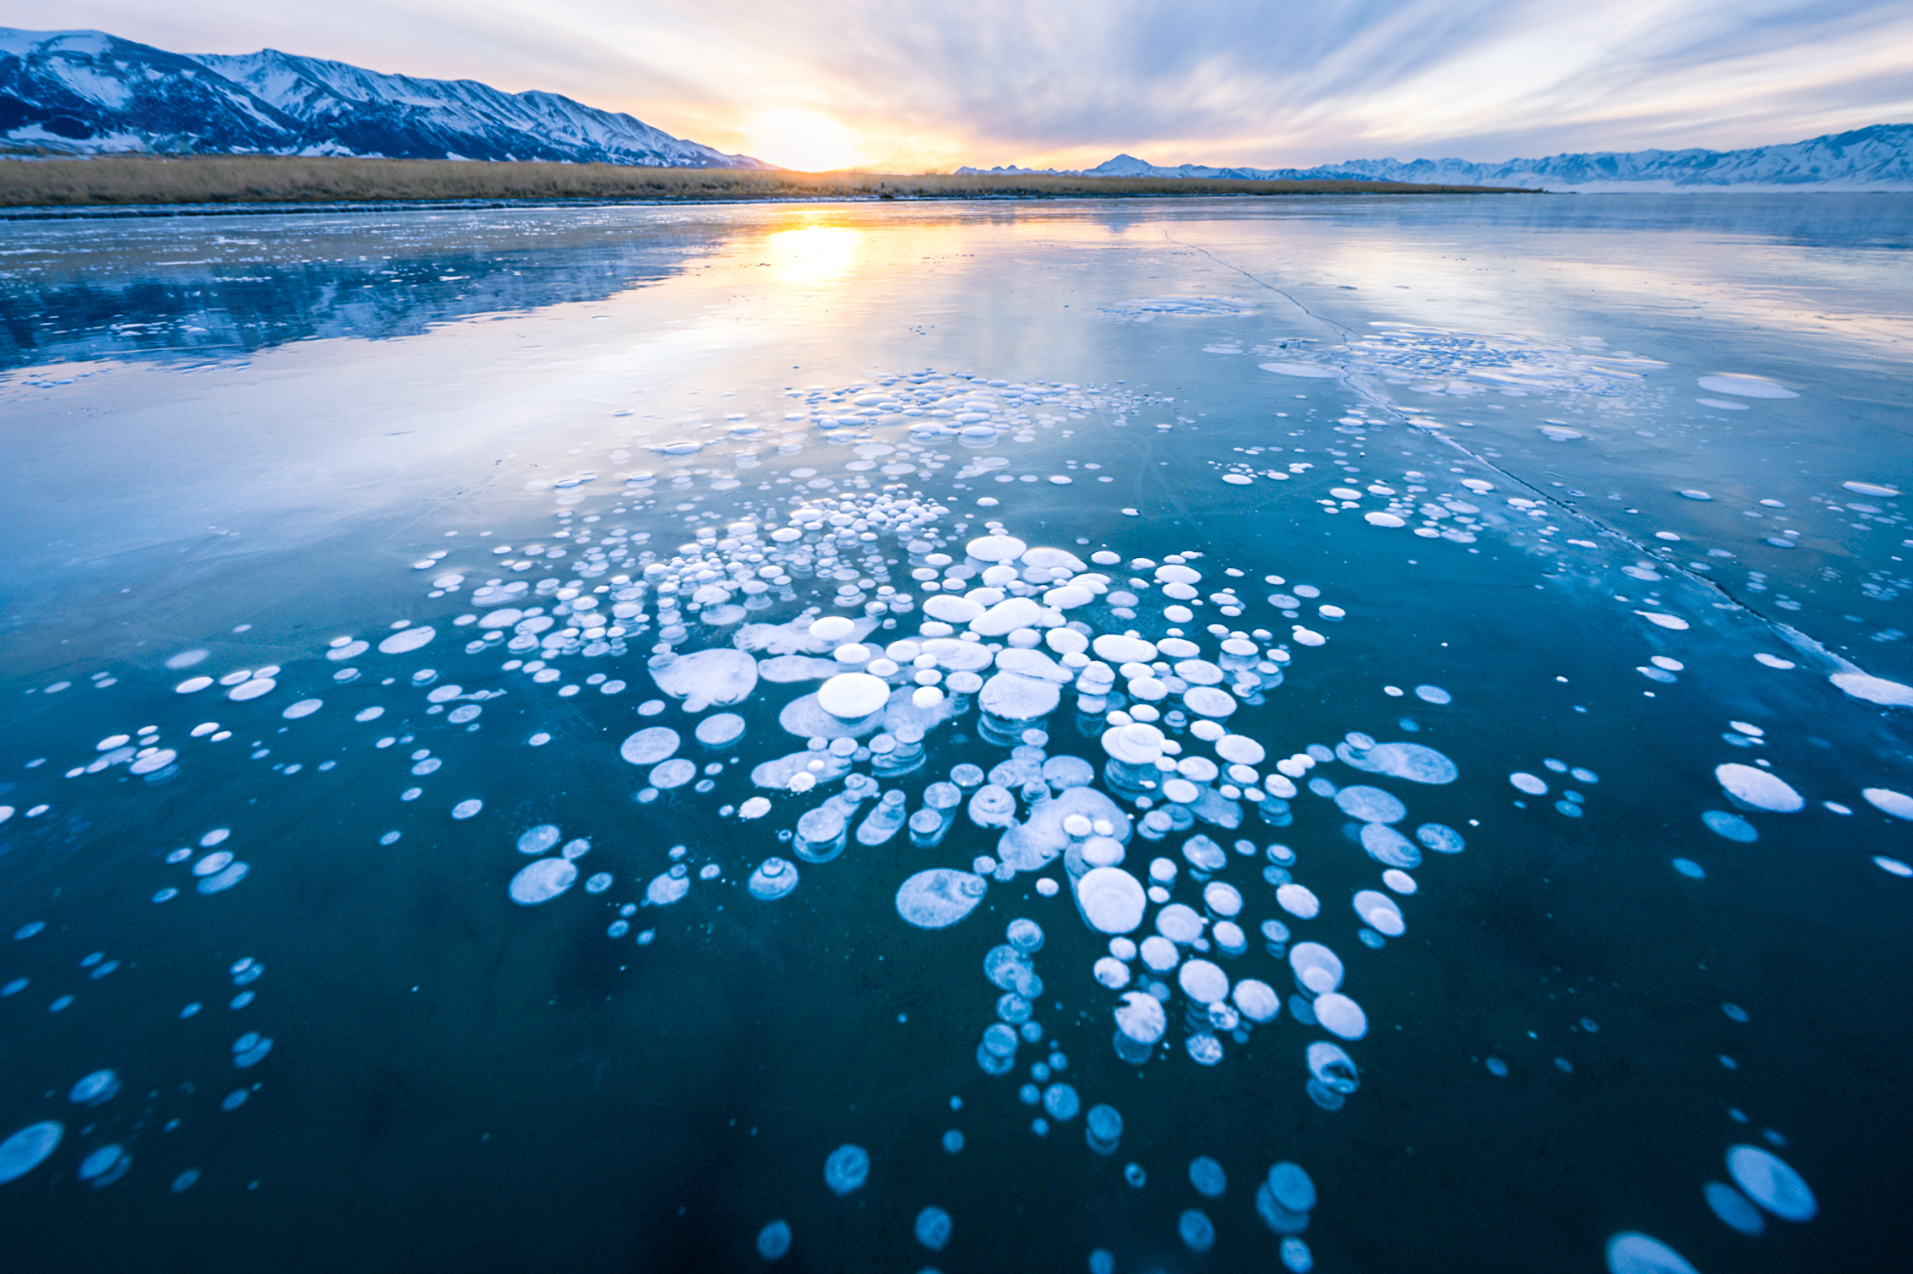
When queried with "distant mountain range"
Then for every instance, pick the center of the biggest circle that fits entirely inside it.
(86, 92)
(1875, 158)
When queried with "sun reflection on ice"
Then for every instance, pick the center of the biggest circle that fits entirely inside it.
(813, 253)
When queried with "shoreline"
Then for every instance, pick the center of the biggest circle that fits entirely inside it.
(263, 183)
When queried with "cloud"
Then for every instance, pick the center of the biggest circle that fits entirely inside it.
(1276, 82)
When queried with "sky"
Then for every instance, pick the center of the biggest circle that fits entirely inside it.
(919, 85)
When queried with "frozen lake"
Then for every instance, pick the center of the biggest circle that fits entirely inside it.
(1160, 735)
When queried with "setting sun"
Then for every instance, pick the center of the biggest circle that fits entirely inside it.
(807, 140)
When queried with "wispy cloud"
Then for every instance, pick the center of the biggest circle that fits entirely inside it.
(1279, 82)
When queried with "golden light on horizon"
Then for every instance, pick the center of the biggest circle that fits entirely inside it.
(803, 139)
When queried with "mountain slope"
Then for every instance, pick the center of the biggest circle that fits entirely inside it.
(87, 92)
(1879, 157)
(364, 112)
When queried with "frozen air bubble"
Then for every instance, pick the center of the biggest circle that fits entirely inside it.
(1412, 761)
(773, 1241)
(1758, 788)
(1298, 900)
(95, 1089)
(846, 1170)
(1733, 1209)
(1731, 826)
(674, 773)
(539, 839)
(650, 745)
(542, 881)
(1772, 1183)
(1370, 804)
(933, 1228)
(774, 878)
(1630, 1252)
(667, 888)
(720, 729)
(1379, 912)
(1197, 1231)
(939, 897)
(407, 640)
(1316, 967)
(1389, 847)
(1257, 1000)
(1887, 801)
(1341, 1016)
(1112, 900)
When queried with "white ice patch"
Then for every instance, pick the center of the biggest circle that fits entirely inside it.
(1745, 386)
(706, 678)
(1878, 690)
(1312, 371)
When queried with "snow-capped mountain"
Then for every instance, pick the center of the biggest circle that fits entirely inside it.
(86, 92)
(1876, 158)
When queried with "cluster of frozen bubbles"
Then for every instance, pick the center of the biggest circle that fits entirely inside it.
(1284, 1198)
(1022, 642)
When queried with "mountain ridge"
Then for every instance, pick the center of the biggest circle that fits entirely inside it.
(1878, 157)
(89, 92)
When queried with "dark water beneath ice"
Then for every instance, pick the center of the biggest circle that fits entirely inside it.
(257, 436)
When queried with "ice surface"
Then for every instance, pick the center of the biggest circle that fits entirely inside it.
(1481, 514)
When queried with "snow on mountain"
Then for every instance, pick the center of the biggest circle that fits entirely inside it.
(1879, 157)
(86, 92)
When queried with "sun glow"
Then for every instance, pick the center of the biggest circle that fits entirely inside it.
(807, 140)
(813, 253)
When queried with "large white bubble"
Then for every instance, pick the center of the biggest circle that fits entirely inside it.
(542, 881)
(939, 897)
(1772, 1183)
(1758, 788)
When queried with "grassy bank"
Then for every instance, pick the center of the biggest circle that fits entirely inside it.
(201, 179)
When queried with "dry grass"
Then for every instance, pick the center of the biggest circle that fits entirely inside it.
(220, 179)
